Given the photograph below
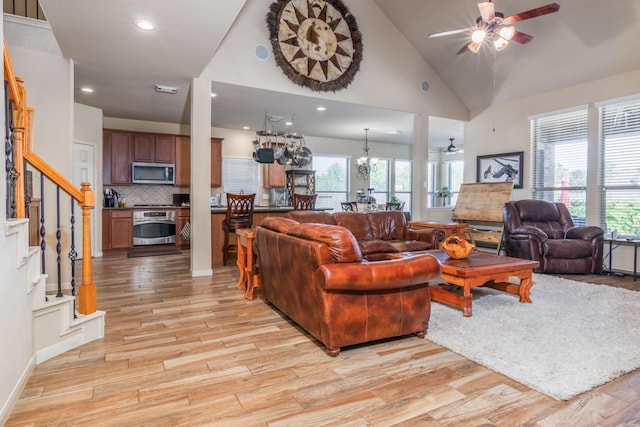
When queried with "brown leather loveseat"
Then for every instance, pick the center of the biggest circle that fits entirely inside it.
(544, 231)
(377, 233)
(316, 275)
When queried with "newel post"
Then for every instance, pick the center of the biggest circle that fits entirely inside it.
(87, 293)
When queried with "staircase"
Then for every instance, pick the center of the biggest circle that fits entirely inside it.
(56, 328)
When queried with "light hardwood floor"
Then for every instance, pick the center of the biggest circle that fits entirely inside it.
(182, 351)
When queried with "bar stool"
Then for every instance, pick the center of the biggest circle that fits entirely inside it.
(304, 201)
(239, 215)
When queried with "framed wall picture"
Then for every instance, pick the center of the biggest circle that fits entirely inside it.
(506, 167)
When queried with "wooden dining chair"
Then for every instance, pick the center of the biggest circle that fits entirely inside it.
(239, 215)
(349, 206)
(393, 206)
(304, 201)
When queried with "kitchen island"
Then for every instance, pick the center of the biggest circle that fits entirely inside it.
(218, 214)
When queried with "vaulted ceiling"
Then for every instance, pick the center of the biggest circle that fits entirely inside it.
(586, 40)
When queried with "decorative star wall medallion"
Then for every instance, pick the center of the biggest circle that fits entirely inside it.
(316, 42)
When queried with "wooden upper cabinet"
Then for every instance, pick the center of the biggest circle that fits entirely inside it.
(216, 162)
(153, 148)
(183, 161)
(116, 156)
(274, 175)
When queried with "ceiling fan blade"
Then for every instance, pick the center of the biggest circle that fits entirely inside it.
(487, 10)
(464, 49)
(533, 13)
(521, 37)
(448, 33)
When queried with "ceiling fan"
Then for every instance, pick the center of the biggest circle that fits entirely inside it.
(493, 26)
(452, 148)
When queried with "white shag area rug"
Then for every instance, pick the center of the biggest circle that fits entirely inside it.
(572, 338)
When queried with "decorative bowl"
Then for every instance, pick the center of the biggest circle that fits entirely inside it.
(457, 248)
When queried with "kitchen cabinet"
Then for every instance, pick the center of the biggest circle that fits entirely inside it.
(216, 162)
(183, 216)
(273, 175)
(117, 229)
(153, 148)
(116, 157)
(183, 161)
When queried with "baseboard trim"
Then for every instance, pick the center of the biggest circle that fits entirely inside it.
(7, 408)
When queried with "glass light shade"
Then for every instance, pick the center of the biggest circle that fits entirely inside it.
(362, 160)
(487, 10)
(500, 43)
(478, 35)
(474, 47)
(507, 32)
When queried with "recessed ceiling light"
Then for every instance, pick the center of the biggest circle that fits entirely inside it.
(289, 123)
(246, 127)
(145, 25)
(321, 108)
(394, 132)
(213, 94)
(86, 89)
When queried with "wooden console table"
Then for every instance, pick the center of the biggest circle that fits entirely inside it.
(450, 229)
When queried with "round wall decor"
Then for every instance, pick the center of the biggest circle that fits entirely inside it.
(316, 43)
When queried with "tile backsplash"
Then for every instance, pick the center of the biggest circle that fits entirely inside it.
(148, 194)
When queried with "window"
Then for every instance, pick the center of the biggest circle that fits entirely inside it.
(559, 151)
(332, 183)
(432, 179)
(455, 176)
(402, 182)
(241, 175)
(619, 201)
(379, 181)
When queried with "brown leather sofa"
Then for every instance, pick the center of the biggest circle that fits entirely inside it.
(316, 275)
(377, 233)
(544, 232)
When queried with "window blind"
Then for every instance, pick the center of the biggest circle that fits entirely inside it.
(559, 159)
(241, 175)
(619, 204)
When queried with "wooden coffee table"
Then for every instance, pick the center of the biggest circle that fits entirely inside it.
(481, 269)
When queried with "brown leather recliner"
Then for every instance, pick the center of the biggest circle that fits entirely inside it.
(544, 232)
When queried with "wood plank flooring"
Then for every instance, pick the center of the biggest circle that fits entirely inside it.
(183, 351)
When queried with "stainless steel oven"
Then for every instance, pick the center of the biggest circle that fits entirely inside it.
(157, 227)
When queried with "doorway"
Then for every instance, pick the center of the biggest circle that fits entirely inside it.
(84, 170)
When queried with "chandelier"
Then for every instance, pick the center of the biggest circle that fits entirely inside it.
(366, 165)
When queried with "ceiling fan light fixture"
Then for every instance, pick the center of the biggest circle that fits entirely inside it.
(507, 32)
(478, 35)
(500, 43)
(474, 47)
(487, 10)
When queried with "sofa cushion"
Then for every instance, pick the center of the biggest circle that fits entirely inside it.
(341, 243)
(278, 223)
(387, 225)
(304, 216)
(357, 223)
(410, 245)
(376, 246)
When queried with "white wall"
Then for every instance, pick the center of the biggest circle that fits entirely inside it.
(88, 129)
(48, 79)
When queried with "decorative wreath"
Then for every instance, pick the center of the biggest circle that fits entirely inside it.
(316, 43)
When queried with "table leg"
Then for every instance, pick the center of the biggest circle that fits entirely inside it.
(250, 293)
(242, 264)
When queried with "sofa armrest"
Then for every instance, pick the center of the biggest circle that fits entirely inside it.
(431, 235)
(379, 275)
(588, 232)
(529, 231)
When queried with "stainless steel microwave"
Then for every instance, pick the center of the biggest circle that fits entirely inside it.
(153, 173)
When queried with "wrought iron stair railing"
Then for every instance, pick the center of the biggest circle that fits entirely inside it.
(19, 154)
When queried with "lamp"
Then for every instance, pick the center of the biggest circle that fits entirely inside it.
(364, 164)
